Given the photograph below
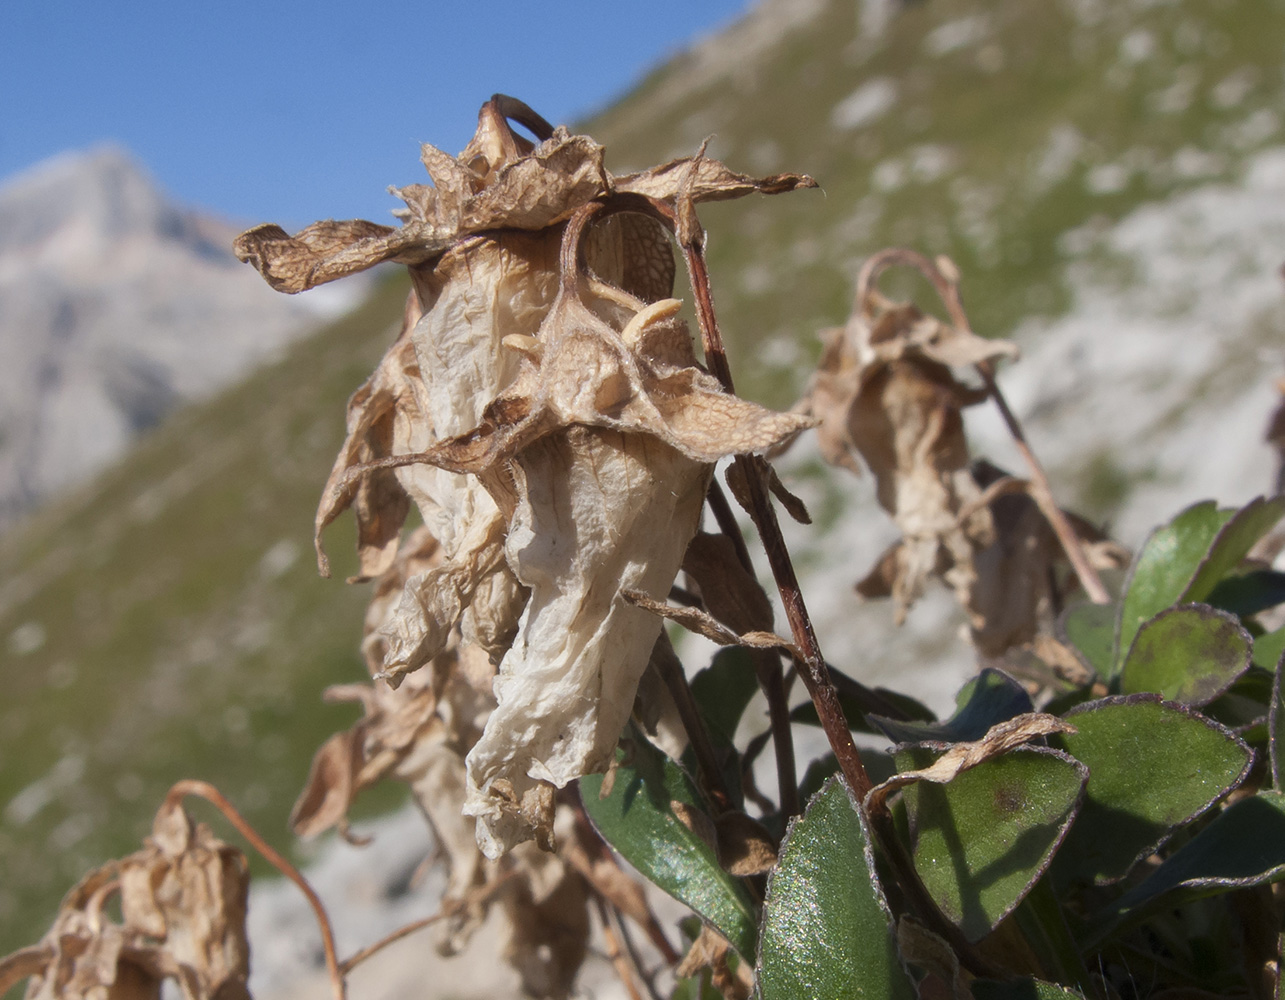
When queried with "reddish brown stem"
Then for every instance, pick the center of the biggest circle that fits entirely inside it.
(476, 896)
(814, 673)
(204, 790)
(1042, 493)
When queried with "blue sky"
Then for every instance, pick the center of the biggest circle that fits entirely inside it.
(289, 111)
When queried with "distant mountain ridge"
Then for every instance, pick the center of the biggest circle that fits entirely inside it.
(116, 306)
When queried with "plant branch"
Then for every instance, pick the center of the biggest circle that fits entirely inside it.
(691, 239)
(671, 672)
(619, 960)
(204, 790)
(478, 895)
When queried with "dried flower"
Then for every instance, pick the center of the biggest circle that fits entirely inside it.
(884, 390)
(183, 905)
(544, 410)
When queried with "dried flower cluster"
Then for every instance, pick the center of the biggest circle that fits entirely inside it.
(543, 409)
(183, 907)
(886, 390)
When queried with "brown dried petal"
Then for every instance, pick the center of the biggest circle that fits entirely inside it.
(332, 784)
(999, 739)
(709, 181)
(731, 593)
(882, 392)
(567, 686)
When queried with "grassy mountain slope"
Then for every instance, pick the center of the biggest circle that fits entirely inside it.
(166, 621)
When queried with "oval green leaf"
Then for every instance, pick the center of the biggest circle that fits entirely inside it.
(1233, 542)
(1164, 568)
(1089, 629)
(1243, 846)
(826, 930)
(638, 819)
(1153, 766)
(982, 840)
(1189, 654)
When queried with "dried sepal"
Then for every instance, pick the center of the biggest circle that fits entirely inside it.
(499, 181)
(183, 907)
(885, 392)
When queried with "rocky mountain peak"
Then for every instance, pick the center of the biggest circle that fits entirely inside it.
(116, 305)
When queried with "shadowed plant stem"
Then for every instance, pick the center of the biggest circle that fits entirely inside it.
(691, 238)
(767, 667)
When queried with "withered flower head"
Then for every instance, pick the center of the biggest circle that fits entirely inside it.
(183, 905)
(544, 410)
(885, 391)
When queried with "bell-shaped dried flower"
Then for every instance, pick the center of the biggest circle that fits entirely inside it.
(544, 411)
(884, 390)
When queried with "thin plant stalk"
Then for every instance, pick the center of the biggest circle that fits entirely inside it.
(620, 960)
(478, 895)
(767, 666)
(204, 790)
(691, 239)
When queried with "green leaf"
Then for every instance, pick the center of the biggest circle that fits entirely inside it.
(1249, 593)
(722, 692)
(1269, 648)
(1232, 544)
(1021, 989)
(1090, 630)
(638, 819)
(1164, 568)
(724, 689)
(858, 702)
(826, 928)
(990, 697)
(982, 840)
(1276, 729)
(1153, 766)
(1190, 654)
(1243, 846)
